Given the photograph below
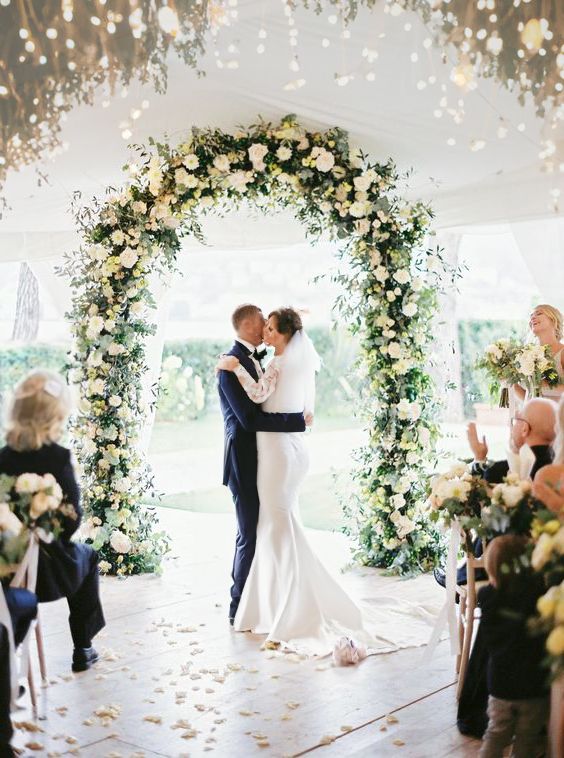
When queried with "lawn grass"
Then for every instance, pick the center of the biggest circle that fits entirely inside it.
(319, 504)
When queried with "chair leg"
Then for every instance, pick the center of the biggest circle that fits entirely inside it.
(469, 628)
(41, 652)
(31, 684)
(461, 614)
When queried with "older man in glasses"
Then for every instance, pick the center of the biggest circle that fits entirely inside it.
(533, 430)
(532, 434)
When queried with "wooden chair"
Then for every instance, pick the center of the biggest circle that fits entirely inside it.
(468, 596)
(42, 664)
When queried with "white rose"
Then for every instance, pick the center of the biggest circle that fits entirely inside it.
(95, 326)
(391, 296)
(325, 161)
(155, 175)
(417, 284)
(398, 501)
(88, 447)
(115, 401)
(362, 226)
(394, 350)
(9, 522)
(402, 276)
(96, 387)
(115, 348)
(283, 153)
(221, 163)
(191, 161)
(239, 180)
(137, 308)
(381, 274)
(128, 258)
(409, 309)
(357, 209)
(27, 483)
(41, 502)
(362, 183)
(256, 156)
(123, 484)
(109, 324)
(98, 253)
(181, 176)
(120, 542)
(139, 206)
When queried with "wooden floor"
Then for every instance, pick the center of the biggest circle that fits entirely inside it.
(175, 680)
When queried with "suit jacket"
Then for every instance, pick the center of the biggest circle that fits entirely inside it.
(243, 419)
(496, 472)
(514, 669)
(62, 567)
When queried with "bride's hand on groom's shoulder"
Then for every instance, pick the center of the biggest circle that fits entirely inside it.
(226, 363)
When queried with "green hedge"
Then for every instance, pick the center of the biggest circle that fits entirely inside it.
(189, 391)
(474, 336)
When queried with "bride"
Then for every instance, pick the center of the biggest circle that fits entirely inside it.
(289, 595)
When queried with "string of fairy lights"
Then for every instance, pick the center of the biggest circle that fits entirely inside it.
(55, 54)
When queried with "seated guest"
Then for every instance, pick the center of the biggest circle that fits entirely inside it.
(548, 485)
(518, 704)
(546, 325)
(532, 432)
(534, 426)
(36, 419)
(22, 606)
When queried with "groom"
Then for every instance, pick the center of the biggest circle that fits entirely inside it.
(242, 420)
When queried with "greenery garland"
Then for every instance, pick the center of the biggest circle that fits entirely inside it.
(390, 297)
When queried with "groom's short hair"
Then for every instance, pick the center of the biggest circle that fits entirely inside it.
(242, 312)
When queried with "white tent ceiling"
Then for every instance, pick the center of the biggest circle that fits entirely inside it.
(390, 116)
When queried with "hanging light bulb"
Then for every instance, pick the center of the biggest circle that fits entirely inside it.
(168, 20)
(532, 35)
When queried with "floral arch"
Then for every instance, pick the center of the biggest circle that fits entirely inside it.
(389, 297)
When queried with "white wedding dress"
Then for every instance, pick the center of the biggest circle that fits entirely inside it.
(289, 595)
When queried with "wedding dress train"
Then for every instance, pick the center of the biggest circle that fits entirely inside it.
(289, 595)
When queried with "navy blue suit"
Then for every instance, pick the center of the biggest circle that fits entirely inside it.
(22, 606)
(242, 420)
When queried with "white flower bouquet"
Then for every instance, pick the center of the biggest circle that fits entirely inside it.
(457, 495)
(31, 501)
(512, 507)
(509, 362)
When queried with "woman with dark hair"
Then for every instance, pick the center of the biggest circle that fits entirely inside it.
(289, 594)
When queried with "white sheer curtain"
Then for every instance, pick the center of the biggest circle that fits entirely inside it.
(541, 244)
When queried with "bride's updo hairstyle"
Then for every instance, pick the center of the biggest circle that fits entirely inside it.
(288, 321)
(39, 408)
(554, 315)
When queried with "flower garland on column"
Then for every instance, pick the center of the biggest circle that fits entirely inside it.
(136, 231)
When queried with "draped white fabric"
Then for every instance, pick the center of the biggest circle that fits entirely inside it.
(542, 248)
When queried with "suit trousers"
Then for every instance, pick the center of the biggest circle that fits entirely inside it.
(86, 616)
(245, 498)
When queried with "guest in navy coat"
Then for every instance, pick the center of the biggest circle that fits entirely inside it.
(68, 569)
(22, 605)
(242, 420)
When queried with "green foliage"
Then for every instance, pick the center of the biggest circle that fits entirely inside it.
(390, 298)
(474, 336)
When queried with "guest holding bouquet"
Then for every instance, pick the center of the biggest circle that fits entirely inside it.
(546, 324)
(36, 419)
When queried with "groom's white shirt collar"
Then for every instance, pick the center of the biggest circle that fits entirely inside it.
(246, 344)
